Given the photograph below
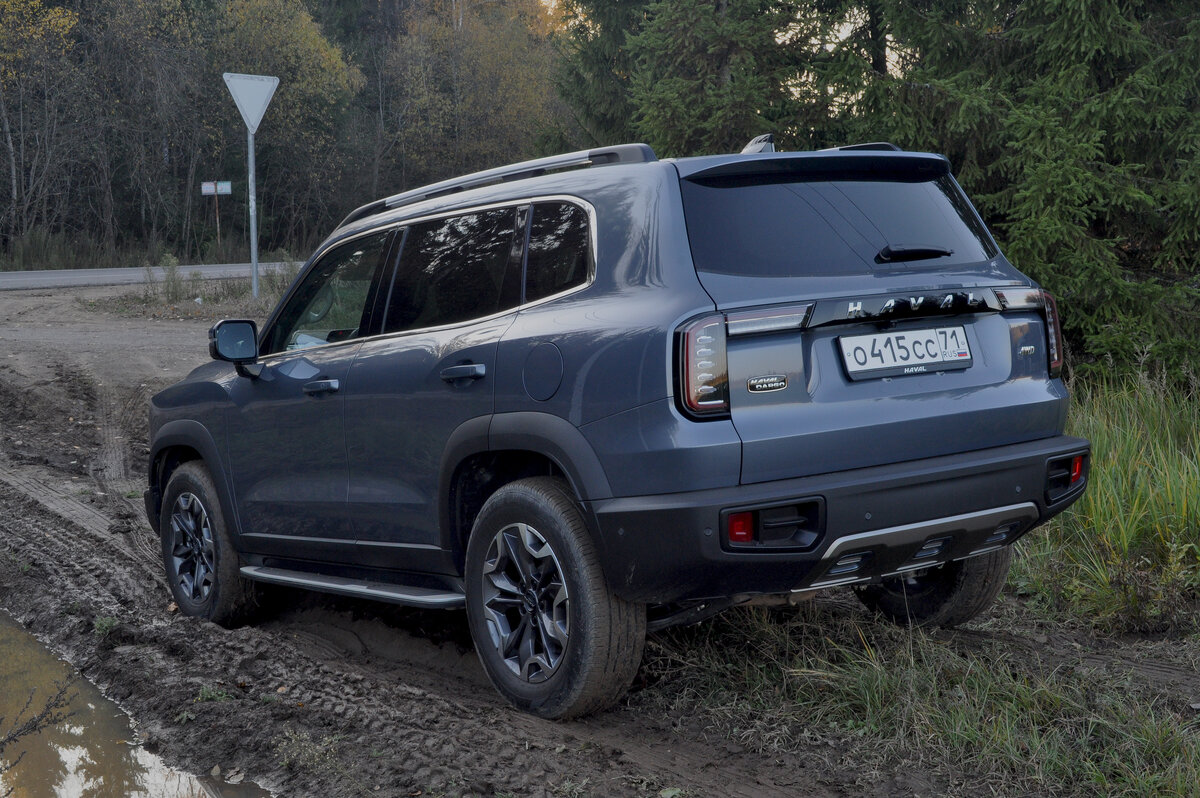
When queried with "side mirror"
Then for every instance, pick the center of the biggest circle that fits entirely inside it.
(236, 341)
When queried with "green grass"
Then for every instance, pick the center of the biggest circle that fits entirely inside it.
(191, 296)
(210, 693)
(1127, 555)
(977, 717)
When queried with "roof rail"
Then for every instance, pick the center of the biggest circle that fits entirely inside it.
(602, 156)
(763, 143)
(871, 145)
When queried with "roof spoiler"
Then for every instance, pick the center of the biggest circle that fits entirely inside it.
(602, 156)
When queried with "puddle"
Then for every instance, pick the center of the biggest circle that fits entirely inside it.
(90, 753)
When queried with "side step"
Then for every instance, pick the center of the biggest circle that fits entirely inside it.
(359, 588)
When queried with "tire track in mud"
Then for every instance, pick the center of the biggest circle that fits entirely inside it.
(400, 711)
(72, 556)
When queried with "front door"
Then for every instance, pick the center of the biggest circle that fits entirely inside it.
(287, 438)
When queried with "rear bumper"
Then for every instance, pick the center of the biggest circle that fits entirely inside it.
(873, 522)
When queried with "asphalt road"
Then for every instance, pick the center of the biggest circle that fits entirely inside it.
(71, 278)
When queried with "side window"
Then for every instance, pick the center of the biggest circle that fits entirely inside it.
(456, 269)
(331, 303)
(559, 253)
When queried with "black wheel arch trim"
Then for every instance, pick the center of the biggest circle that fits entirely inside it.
(543, 433)
(190, 434)
(558, 439)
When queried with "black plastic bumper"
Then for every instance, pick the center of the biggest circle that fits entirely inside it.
(873, 522)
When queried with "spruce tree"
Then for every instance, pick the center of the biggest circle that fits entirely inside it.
(1075, 124)
(594, 77)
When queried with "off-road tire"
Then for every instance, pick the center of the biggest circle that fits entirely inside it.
(604, 636)
(189, 502)
(945, 596)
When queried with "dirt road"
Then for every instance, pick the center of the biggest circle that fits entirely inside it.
(324, 697)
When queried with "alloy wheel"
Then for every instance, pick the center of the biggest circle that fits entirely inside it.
(526, 603)
(192, 550)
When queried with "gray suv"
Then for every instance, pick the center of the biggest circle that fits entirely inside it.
(597, 394)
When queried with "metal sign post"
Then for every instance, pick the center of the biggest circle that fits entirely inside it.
(214, 189)
(252, 94)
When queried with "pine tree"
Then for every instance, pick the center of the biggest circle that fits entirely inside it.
(594, 79)
(1076, 126)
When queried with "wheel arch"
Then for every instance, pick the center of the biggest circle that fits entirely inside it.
(178, 442)
(488, 452)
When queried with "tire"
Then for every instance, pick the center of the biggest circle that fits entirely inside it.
(946, 595)
(201, 563)
(552, 637)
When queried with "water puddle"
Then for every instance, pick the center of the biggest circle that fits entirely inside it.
(91, 753)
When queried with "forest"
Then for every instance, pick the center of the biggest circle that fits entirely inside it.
(1073, 124)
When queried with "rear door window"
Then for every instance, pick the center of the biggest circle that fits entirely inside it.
(456, 269)
(764, 227)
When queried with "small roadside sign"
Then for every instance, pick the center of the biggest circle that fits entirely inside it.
(224, 187)
(211, 188)
(208, 188)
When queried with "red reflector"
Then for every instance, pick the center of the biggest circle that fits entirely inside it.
(1076, 469)
(741, 528)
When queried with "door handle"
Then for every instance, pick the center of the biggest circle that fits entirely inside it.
(321, 386)
(467, 371)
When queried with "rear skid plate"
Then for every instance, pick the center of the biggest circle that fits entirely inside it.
(887, 552)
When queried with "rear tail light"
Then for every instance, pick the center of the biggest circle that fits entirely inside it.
(1077, 469)
(1053, 334)
(1028, 299)
(704, 369)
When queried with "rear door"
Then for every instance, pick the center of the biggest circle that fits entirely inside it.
(455, 292)
(863, 298)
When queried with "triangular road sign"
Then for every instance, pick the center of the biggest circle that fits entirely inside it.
(253, 94)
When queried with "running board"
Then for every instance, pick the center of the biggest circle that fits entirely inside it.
(359, 588)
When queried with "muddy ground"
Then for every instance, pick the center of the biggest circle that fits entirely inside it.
(323, 696)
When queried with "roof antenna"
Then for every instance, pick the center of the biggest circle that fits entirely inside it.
(763, 143)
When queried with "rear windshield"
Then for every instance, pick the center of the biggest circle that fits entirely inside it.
(764, 227)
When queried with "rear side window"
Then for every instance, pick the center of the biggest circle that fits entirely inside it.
(560, 256)
(456, 269)
(782, 228)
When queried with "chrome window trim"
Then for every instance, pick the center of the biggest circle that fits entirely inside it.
(393, 225)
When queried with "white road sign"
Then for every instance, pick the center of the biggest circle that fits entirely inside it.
(253, 94)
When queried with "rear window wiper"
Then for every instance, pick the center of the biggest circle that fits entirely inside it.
(896, 253)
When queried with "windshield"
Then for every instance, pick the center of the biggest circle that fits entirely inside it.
(765, 226)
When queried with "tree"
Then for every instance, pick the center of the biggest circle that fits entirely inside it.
(709, 75)
(300, 162)
(1076, 125)
(595, 73)
(38, 122)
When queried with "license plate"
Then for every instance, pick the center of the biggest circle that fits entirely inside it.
(895, 354)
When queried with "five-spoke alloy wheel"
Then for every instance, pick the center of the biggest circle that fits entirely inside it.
(554, 640)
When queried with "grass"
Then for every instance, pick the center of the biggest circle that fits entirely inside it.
(104, 625)
(978, 718)
(210, 693)
(1127, 555)
(1009, 711)
(193, 296)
